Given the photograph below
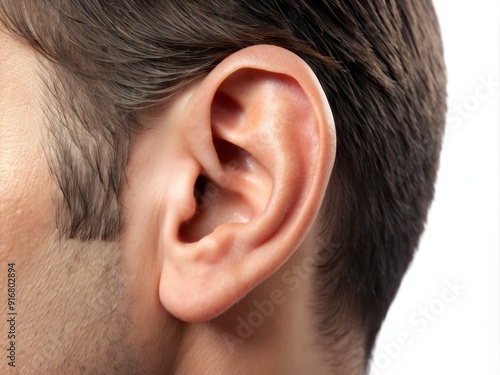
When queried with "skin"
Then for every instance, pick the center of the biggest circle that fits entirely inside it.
(95, 307)
(62, 305)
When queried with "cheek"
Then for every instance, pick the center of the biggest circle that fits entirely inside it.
(26, 207)
(26, 212)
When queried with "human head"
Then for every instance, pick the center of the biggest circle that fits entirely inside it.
(112, 71)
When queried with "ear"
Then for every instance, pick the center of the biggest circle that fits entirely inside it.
(235, 169)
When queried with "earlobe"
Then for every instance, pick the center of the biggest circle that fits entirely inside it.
(258, 134)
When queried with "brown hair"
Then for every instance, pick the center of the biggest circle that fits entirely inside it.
(380, 63)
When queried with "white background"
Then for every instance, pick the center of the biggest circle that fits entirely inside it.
(460, 332)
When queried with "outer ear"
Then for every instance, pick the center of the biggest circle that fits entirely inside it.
(249, 152)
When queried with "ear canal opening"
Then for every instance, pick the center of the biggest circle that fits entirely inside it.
(199, 190)
(218, 204)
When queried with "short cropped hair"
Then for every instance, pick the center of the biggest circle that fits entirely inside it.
(380, 63)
